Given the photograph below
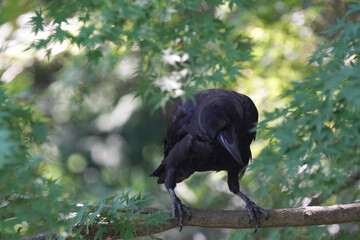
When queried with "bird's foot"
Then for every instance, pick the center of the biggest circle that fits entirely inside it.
(254, 212)
(181, 208)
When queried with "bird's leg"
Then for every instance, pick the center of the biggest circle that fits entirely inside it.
(251, 208)
(170, 184)
(179, 206)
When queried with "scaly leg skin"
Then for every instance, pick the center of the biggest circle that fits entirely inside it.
(177, 204)
(253, 210)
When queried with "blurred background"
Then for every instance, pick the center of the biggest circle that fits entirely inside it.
(104, 139)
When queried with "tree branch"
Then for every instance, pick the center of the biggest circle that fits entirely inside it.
(287, 217)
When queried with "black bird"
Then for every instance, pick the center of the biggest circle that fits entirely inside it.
(211, 132)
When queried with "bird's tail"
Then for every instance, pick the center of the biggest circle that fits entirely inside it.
(159, 172)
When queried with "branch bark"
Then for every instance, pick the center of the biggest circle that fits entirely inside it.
(287, 217)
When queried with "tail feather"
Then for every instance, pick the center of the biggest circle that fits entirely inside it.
(159, 172)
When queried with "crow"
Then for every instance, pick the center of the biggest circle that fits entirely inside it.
(210, 132)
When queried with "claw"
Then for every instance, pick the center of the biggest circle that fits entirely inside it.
(181, 208)
(254, 212)
(264, 212)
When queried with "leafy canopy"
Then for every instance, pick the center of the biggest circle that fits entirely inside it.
(29, 201)
(314, 142)
(181, 45)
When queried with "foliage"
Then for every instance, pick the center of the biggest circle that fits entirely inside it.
(180, 44)
(313, 142)
(28, 200)
(32, 203)
(122, 212)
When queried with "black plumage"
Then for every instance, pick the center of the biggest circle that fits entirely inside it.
(211, 132)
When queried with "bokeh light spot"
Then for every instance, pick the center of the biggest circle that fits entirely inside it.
(76, 163)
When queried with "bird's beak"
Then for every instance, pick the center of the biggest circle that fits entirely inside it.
(228, 139)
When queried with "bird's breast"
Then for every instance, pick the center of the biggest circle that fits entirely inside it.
(210, 156)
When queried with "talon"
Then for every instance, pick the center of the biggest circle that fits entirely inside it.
(263, 211)
(181, 208)
(188, 212)
(256, 228)
(254, 212)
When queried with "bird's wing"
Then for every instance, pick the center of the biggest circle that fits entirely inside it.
(176, 144)
(250, 116)
(177, 127)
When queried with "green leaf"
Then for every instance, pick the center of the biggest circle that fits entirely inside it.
(241, 3)
(7, 148)
(95, 214)
(94, 56)
(37, 21)
(39, 132)
(61, 35)
(100, 232)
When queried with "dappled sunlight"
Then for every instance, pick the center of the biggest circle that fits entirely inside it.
(259, 34)
(199, 236)
(76, 163)
(171, 57)
(14, 45)
(186, 193)
(298, 18)
(119, 115)
(237, 203)
(127, 67)
(333, 229)
(12, 72)
(107, 153)
(170, 83)
(217, 181)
